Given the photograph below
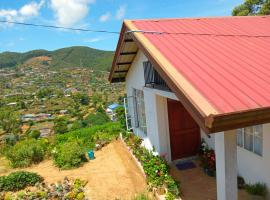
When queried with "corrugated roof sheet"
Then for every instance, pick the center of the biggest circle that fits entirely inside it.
(226, 59)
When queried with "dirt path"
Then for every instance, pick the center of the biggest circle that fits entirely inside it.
(113, 174)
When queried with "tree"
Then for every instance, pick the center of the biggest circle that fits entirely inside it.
(96, 119)
(60, 125)
(120, 116)
(34, 134)
(82, 99)
(252, 7)
(23, 105)
(44, 92)
(96, 98)
(9, 121)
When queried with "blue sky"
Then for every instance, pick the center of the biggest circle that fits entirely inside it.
(90, 14)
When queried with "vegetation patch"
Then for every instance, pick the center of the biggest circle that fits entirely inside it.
(208, 159)
(155, 167)
(258, 189)
(87, 137)
(96, 119)
(71, 147)
(69, 155)
(19, 180)
(67, 189)
(26, 152)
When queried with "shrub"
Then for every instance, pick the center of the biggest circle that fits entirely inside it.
(34, 134)
(141, 196)
(26, 152)
(120, 115)
(155, 168)
(88, 136)
(76, 125)
(60, 125)
(11, 139)
(169, 196)
(208, 159)
(19, 180)
(96, 119)
(240, 182)
(256, 189)
(73, 190)
(69, 155)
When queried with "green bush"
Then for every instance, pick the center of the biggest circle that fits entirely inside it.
(19, 180)
(120, 115)
(99, 118)
(169, 196)
(26, 152)
(69, 155)
(256, 189)
(34, 134)
(141, 196)
(11, 139)
(155, 167)
(60, 125)
(88, 136)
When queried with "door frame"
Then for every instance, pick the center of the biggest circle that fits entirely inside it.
(169, 134)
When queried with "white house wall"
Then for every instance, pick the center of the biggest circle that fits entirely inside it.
(252, 167)
(135, 80)
(155, 108)
(255, 168)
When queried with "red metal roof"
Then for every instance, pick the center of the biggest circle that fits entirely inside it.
(226, 59)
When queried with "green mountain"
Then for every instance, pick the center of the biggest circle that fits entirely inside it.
(77, 56)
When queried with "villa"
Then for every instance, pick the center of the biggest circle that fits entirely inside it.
(201, 78)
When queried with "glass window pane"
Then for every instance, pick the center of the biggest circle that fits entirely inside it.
(239, 137)
(258, 145)
(140, 110)
(248, 138)
(258, 130)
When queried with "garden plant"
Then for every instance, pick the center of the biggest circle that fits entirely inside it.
(155, 167)
(208, 159)
(19, 180)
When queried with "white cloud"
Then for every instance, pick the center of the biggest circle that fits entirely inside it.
(25, 12)
(96, 39)
(70, 12)
(120, 13)
(105, 17)
(91, 40)
(31, 9)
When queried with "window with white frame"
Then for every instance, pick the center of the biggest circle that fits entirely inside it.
(251, 138)
(139, 111)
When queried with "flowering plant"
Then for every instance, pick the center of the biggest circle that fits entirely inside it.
(208, 159)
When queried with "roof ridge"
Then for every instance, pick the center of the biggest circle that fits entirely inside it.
(195, 34)
(200, 18)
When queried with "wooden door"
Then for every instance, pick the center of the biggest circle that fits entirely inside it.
(184, 131)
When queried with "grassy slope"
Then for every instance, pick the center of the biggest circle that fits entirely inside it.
(65, 57)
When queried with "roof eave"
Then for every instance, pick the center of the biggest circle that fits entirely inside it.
(117, 52)
(229, 121)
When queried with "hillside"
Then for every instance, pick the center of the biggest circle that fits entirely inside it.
(78, 56)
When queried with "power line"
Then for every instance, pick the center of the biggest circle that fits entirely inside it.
(59, 27)
(131, 31)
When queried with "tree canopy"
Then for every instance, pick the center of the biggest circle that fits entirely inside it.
(9, 121)
(252, 7)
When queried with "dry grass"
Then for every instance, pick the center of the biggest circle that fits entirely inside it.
(112, 175)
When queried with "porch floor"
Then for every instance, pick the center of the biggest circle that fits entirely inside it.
(196, 185)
